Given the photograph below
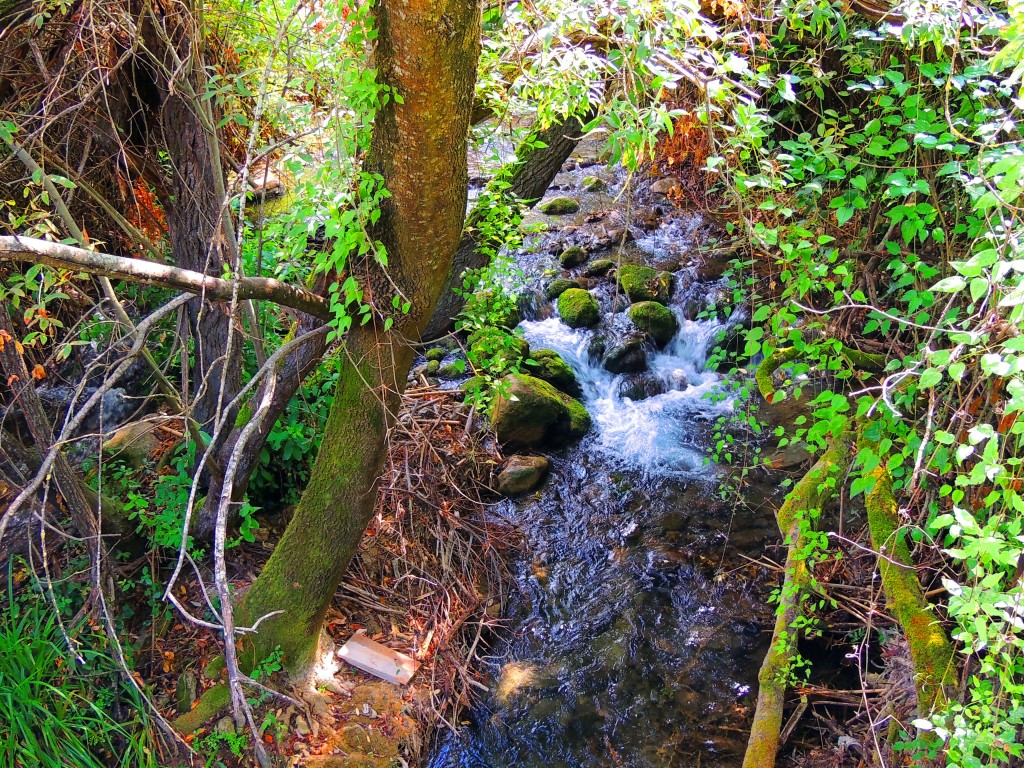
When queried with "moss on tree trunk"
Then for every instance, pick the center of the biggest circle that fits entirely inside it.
(427, 50)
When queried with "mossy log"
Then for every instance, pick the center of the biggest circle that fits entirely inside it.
(212, 703)
(930, 648)
(801, 505)
(865, 361)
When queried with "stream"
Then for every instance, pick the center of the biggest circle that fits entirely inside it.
(635, 630)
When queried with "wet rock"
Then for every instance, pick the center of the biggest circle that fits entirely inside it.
(662, 186)
(626, 356)
(432, 367)
(599, 267)
(640, 386)
(578, 308)
(452, 371)
(559, 206)
(527, 411)
(436, 353)
(645, 283)
(557, 287)
(598, 345)
(554, 370)
(572, 256)
(225, 726)
(594, 184)
(133, 443)
(654, 319)
(521, 474)
(673, 521)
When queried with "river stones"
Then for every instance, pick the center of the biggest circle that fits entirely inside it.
(572, 256)
(521, 474)
(654, 319)
(527, 411)
(578, 308)
(436, 353)
(645, 283)
(553, 369)
(626, 355)
(558, 286)
(598, 267)
(640, 386)
(559, 206)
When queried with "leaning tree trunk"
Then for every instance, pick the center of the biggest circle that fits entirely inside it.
(427, 50)
(532, 172)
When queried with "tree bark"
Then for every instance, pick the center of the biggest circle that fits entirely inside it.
(427, 51)
(533, 170)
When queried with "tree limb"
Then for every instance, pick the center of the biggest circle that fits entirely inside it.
(14, 248)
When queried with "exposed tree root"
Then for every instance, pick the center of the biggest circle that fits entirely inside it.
(794, 517)
(769, 366)
(930, 648)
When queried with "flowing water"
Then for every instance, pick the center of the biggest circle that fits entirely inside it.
(636, 631)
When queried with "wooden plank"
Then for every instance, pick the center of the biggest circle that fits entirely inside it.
(378, 660)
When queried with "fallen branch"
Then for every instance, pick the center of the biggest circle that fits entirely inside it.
(60, 256)
(807, 497)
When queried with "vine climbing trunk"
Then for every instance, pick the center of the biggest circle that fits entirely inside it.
(427, 52)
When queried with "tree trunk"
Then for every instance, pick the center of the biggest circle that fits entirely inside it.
(532, 171)
(427, 50)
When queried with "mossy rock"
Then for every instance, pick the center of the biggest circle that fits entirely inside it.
(654, 319)
(559, 206)
(432, 367)
(594, 184)
(572, 256)
(557, 287)
(599, 267)
(474, 386)
(452, 371)
(527, 411)
(501, 309)
(645, 283)
(553, 369)
(436, 353)
(578, 308)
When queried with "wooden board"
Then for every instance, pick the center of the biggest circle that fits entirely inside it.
(378, 660)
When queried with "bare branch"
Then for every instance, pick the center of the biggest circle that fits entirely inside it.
(15, 248)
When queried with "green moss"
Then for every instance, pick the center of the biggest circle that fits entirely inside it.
(209, 705)
(599, 267)
(452, 371)
(244, 415)
(578, 308)
(645, 283)
(579, 418)
(550, 367)
(655, 320)
(768, 366)
(593, 184)
(527, 411)
(432, 367)
(557, 287)
(436, 353)
(572, 256)
(559, 206)
(475, 385)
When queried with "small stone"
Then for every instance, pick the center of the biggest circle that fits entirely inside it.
(521, 474)
(599, 267)
(578, 308)
(452, 371)
(432, 367)
(640, 386)
(594, 184)
(133, 443)
(302, 726)
(436, 353)
(572, 256)
(559, 206)
(225, 726)
(662, 186)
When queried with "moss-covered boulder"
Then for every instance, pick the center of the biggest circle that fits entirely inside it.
(432, 367)
(594, 184)
(578, 308)
(553, 369)
(645, 283)
(572, 256)
(559, 206)
(475, 386)
(599, 267)
(527, 411)
(436, 353)
(654, 319)
(451, 371)
(557, 287)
